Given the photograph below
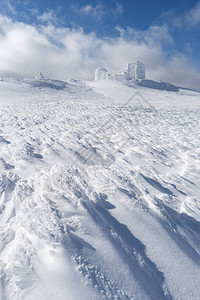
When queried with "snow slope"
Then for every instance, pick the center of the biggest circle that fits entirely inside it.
(99, 191)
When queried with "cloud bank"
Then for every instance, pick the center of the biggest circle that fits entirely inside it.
(64, 53)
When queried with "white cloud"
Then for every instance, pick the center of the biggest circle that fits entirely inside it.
(47, 16)
(6, 6)
(119, 8)
(89, 9)
(94, 11)
(187, 20)
(153, 35)
(192, 18)
(34, 11)
(100, 10)
(11, 8)
(62, 53)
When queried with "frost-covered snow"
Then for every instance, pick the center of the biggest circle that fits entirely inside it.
(99, 191)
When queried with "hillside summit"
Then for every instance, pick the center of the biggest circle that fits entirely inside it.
(99, 191)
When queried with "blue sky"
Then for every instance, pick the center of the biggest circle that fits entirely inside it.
(89, 33)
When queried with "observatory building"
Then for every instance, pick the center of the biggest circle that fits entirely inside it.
(101, 74)
(133, 71)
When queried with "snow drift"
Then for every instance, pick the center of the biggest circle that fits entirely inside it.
(99, 192)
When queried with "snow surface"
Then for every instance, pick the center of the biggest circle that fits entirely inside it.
(99, 191)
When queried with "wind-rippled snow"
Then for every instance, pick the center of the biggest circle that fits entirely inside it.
(99, 196)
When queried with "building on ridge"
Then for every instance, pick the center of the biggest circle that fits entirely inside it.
(133, 71)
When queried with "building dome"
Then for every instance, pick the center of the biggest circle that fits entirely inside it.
(101, 74)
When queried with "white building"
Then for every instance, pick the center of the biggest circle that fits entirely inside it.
(136, 70)
(101, 74)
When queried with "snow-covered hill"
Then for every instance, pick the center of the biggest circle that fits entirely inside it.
(99, 191)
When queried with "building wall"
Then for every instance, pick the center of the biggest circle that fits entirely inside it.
(136, 70)
(131, 69)
(139, 70)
